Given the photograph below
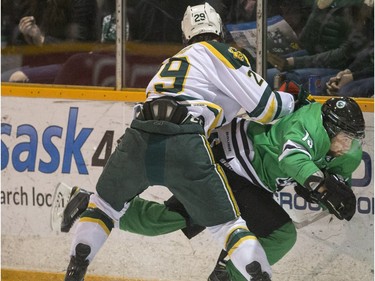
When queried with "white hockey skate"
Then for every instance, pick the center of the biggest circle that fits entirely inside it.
(60, 200)
(68, 204)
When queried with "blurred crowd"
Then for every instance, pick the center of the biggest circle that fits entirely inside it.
(324, 45)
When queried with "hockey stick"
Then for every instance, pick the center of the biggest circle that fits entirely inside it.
(312, 219)
(60, 199)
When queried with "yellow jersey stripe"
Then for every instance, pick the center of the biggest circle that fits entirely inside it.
(268, 117)
(218, 55)
(210, 105)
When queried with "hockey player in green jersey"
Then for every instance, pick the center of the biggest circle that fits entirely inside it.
(316, 149)
(199, 89)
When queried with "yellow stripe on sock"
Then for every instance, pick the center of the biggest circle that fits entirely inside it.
(98, 221)
(235, 246)
(238, 227)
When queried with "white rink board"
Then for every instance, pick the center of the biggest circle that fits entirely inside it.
(63, 136)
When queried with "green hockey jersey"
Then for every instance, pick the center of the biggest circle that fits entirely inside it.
(289, 151)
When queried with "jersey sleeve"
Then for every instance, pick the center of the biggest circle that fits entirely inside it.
(301, 149)
(231, 70)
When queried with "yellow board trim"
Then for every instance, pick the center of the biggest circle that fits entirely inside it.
(366, 104)
(108, 94)
(28, 275)
(71, 92)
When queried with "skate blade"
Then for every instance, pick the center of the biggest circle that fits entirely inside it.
(60, 200)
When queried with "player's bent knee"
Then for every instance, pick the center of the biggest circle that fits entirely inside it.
(222, 231)
(95, 215)
(288, 235)
(236, 237)
(279, 242)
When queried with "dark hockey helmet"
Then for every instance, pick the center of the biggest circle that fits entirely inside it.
(343, 114)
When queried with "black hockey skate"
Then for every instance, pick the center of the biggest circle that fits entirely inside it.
(255, 271)
(220, 273)
(78, 264)
(78, 202)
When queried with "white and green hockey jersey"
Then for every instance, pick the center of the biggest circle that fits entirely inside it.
(216, 81)
(292, 149)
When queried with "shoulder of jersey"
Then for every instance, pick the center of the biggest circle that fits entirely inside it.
(230, 56)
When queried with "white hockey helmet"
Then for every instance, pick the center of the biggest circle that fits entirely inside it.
(200, 19)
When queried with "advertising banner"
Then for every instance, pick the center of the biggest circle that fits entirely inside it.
(47, 141)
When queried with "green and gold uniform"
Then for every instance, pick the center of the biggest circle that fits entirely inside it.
(258, 161)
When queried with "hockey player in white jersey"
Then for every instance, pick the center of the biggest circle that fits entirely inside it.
(200, 88)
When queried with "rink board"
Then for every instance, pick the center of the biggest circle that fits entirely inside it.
(20, 275)
(49, 140)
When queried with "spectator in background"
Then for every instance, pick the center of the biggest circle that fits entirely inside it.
(98, 67)
(296, 13)
(331, 37)
(239, 11)
(11, 11)
(293, 12)
(46, 22)
(358, 79)
(352, 84)
(158, 20)
(59, 20)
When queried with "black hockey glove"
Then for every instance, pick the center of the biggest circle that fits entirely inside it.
(338, 198)
(306, 194)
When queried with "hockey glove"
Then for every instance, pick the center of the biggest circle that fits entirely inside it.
(306, 194)
(301, 96)
(338, 198)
